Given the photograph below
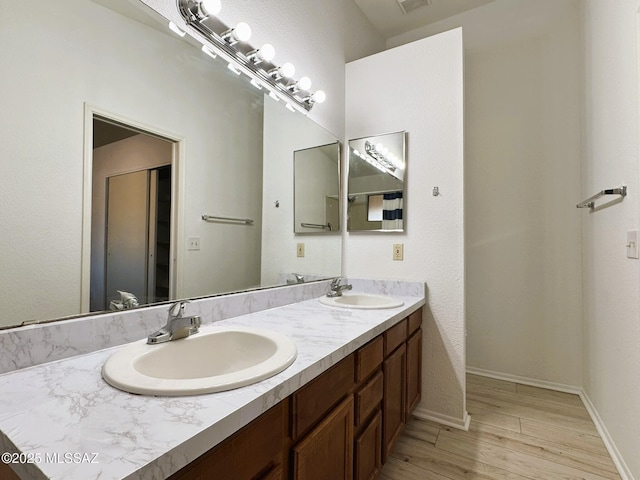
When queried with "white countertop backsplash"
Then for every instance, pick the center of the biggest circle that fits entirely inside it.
(64, 407)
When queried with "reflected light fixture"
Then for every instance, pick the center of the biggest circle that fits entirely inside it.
(208, 51)
(377, 152)
(176, 29)
(232, 46)
(233, 68)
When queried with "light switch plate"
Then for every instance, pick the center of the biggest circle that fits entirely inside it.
(632, 244)
(300, 250)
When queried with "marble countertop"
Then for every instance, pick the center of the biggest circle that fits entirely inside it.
(71, 424)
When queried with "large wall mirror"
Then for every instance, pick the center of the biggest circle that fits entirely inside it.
(115, 112)
(376, 185)
(317, 189)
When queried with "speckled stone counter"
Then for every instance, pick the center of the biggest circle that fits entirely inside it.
(65, 418)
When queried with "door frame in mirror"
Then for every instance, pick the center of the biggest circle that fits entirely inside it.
(177, 198)
(320, 228)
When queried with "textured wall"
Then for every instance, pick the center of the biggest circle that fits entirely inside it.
(418, 88)
(611, 281)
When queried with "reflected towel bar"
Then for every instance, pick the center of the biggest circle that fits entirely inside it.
(589, 202)
(212, 218)
(316, 225)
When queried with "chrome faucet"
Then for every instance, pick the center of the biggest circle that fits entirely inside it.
(336, 287)
(297, 279)
(178, 326)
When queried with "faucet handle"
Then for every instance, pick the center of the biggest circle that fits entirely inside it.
(180, 304)
(335, 282)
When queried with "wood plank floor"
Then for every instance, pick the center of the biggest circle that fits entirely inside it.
(516, 432)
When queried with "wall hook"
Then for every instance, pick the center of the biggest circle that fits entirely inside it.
(436, 191)
(277, 203)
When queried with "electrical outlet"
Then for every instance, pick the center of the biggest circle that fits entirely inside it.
(193, 243)
(300, 250)
(398, 251)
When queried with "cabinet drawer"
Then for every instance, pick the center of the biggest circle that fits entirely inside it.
(369, 358)
(368, 398)
(415, 320)
(394, 337)
(314, 400)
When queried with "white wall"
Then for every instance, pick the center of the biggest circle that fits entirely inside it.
(418, 88)
(611, 281)
(522, 158)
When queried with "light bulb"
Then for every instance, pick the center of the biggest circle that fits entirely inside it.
(379, 147)
(210, 7)
(242, 32)
(264, 53)
(319, 96)
(287, 70)
(267, 52)
(304, 83)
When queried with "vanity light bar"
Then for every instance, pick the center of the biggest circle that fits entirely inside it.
(232, 46)
(378, 153)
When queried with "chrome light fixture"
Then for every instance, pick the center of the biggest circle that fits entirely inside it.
(232, 46)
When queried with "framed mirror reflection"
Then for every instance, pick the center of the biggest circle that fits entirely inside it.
(376, 183)
(225, 133)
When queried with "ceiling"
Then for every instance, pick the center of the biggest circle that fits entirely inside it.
(390, 19)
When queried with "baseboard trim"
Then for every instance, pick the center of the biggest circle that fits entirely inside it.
(533, 382)
(621, 465)
(623, 469)
(454, 422)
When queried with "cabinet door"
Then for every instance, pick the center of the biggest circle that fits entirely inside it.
(394, 403)
(414, 370)
(264, 438)
(368, 450)
(327, 451)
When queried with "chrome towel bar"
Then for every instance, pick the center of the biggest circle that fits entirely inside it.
(316, 225)
(590, 202)
(213, 218)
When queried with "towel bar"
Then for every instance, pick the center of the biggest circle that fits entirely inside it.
(213, 218)
(590, 202)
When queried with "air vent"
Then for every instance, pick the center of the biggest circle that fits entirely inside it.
(409, 5)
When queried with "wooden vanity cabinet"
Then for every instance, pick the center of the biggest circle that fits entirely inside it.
(256, 452)
(340, 426)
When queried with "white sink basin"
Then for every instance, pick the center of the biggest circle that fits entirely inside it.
(362, 300)
(215, 361)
